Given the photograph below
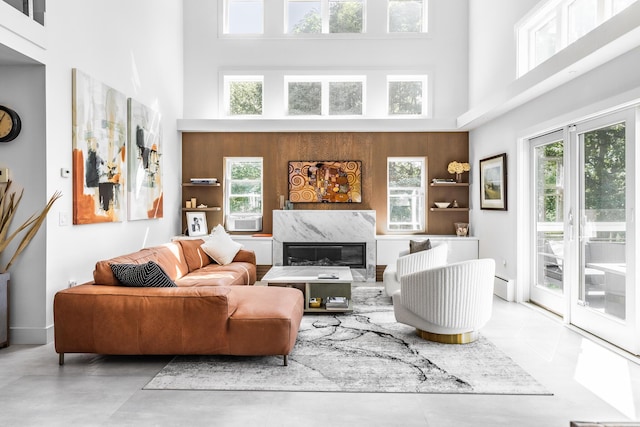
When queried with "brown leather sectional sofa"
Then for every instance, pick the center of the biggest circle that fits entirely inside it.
(209, 312)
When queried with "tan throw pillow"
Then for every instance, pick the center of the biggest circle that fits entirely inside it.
(419, 245)
(194, 254)
(220, 246)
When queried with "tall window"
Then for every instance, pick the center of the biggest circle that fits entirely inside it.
(557, 24)
(243, 185)
(406, 16)
(243, 95)
(406, 193)
(243, 16)
(405, 95)
(325, 96)
(325, 16)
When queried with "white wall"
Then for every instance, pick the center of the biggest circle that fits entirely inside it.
(492, 45)
(611, 84)
(442, 54)
(136, 48)
(22, 89)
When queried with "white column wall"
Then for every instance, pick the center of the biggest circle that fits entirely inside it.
(134, 47)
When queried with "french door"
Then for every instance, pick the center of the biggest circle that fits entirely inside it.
(583, 182)
(548, 201)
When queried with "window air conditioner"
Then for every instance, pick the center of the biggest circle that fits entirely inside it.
(244, 222)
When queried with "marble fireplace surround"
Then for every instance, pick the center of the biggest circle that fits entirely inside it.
(327, 226)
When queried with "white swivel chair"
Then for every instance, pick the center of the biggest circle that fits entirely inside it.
(447, 304)
(410, 263)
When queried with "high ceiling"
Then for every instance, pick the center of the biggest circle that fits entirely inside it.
(9, 56)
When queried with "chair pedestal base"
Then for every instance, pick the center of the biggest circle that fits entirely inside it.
(464, 338)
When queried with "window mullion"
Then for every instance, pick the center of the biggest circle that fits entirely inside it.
(324, 104)
(324, 12)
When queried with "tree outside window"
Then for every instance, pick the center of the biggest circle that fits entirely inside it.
(245, 98)
(243, 185)
(405, 97)
(405, 16)
(345, 98)
(305, 98)
(325, 16)
(325, 95)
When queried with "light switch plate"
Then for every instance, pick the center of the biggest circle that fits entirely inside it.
(4, 174)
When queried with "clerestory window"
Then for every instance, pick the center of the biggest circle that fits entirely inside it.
(325, 95)
(407, 16)
(406, 94)
(558, 23)
(243, 95)
(243, 16)
(325, 16)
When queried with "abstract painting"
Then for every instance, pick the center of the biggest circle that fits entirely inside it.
(99, 150)
(144, 184)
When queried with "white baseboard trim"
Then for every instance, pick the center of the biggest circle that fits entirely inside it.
(30, 336)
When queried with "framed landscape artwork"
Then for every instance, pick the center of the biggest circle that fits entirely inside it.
(325, 181)
(493, 183)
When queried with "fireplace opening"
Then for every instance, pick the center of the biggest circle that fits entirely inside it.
(325, 254)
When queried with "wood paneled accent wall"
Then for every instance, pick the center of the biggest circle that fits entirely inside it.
(203, 156)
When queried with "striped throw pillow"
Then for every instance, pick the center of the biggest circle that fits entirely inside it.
(149, 275)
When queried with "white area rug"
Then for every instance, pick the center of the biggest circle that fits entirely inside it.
(365, 351)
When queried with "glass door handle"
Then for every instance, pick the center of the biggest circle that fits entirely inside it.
(570, 224)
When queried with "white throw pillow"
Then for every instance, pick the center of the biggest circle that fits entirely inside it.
(220, 247)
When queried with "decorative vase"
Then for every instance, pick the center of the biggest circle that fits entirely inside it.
(4, 310)
(458, 177)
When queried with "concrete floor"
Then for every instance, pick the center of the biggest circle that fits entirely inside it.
(589, 382)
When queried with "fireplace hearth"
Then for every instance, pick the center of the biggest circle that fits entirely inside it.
(324, 254)
(331, 233)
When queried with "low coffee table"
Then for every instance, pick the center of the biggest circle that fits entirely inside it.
(314, 282)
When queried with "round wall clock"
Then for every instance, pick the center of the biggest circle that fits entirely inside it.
(10, 124)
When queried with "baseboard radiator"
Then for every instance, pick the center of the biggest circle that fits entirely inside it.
(504, 288)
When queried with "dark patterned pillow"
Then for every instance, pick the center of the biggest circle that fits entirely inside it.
(419, 245)
(149, 275)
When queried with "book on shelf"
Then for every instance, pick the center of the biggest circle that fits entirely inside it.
(203, 180)
(443, 181)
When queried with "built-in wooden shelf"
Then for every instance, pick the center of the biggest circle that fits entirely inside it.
(189, 184)
(453, 184)
(211, 209)
(449, 209)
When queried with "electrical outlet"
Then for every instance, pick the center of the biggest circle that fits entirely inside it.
(72, 283)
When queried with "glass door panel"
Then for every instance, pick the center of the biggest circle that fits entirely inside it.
(603, 296)
(603, 220)
(547, 286)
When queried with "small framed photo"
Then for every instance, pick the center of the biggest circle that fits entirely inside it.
(196, 224)
(493, 183)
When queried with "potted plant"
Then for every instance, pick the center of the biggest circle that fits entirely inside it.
(9, 201)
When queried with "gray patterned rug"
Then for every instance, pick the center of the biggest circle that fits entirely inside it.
(365, 351)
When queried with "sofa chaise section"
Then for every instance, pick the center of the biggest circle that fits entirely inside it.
(257, 321)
